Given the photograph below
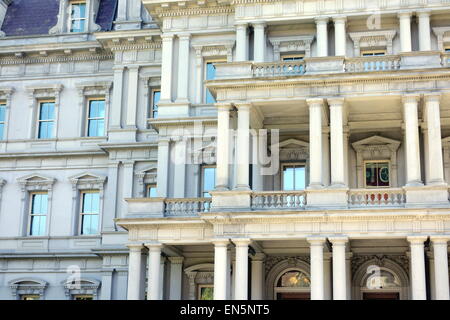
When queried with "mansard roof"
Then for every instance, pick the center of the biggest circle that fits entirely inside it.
(36, 17)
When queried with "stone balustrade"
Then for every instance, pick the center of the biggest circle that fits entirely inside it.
(446, 60)
(376, 197)
(376, 63)
(187, 206)
(274, 69)
(278, 200)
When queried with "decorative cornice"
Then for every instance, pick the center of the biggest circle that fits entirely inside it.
(55, 59)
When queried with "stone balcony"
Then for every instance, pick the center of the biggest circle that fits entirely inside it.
(332, 65)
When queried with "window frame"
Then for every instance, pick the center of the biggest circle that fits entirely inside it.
(373, 52)
(290, 164)
(200, 287)
(292, 55)
(3, 104)
(75, 296)
(87, 119)
(30, 214)
(148, 186)
(81, 214)
(202, 176)
(365, 178)
(40, 102)
(71, 19)
(23, 296)
(152, 103)
(205, 75)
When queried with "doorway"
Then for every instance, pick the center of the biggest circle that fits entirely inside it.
(293, 296)
(381, 296)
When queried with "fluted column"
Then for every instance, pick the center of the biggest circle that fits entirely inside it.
(340, 37)
(337, 142)
(220, 269)
(223, 144)
(405, 31)
(410, 117)
(241, 42)
(132, 101)
(116, 110)
(418, 282)
(424, 30)
(339, 268)
(317, 281)
(441, 277)
(243, 147)
(315, 142)
(433, 151)
(183, 68)
(241, 287)
(134, 271)
(176, 277)
(154, 269)
(166, 68)
(258, 277)
(322, 37)
(259, 42)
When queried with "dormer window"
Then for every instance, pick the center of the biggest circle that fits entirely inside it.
(78, 16)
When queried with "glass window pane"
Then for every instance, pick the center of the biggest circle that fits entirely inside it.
(2, 128)
(2, 112)
(38, 225)
(89, 224)
(300, 182)
(209, 180)
(151, 192)
(156, 98)
(288, 178)
(210, 75)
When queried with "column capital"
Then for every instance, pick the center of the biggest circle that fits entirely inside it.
(220, 242)
(135, 247)
(163, 141)
(153, 246)
(184, 36)
(440, 239)
(241, 242)
(404, 15)
(340, 19)
(336, 102)
(423, 13)
(259, 24)
(241, 25)
(243, 106)
(316, 240)
(167, 37)
(258, 257)
(432, 97)
(223, 106)
(338, 240)
(415, 240)
(315, 102)
(322, 20)
(176, 260)
(410, 98)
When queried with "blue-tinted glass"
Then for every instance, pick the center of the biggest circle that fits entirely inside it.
(300, 183)
(2, 112)
(447, 49)
(209, 180)
(288, 178)
(38, 225)
(45, 130)
(210, 75)
(151, 192)
(78, 10)
(2, 128)
(156, 98)
(96, 128)
(97, 109)
(89, 224)
(47, 111)
(91, 202)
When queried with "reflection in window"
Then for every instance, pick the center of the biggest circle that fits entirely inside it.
(96, 118)
(208, 180)
(294, 177)
(83, 297)
(156, 96)
(292, 57)
(381, 279)
(78, 17)
(294, 279)
(2, 120)
(46, 120)
(206, 292)
(90, 211)
(210, 75)
(38, 214)
(377, 174)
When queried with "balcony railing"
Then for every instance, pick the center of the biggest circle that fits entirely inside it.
(186, 207)
(377, 63)
(278, 200)
(273, 69)
(376, 197)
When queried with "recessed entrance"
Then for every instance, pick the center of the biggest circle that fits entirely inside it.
(293, 296)
(381, 296)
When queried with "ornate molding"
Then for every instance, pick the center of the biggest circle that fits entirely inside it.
(380, 260)
(291, 44)
(372, 39)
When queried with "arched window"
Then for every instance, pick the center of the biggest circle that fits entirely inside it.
(294, 279)
(382, 279)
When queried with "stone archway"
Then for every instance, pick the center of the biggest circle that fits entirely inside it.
(280, 268)
(384, 266)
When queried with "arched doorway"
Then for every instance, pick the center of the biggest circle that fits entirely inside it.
(380, 281)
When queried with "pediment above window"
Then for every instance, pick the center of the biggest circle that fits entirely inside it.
(214, 49)
(87, 180)
(35, 182)
(376, 143)
(443, 36)
(81, 287)
(291, 44)
(292, 150)
(379, 40)
(29, 286)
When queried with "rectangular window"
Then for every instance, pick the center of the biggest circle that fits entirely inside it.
(377, 174)
(156, 96)
(96, 118)
(46, 120)
(211, 75)
(151, 191)
(83, 297)
(294, 177)
(38, 214)
(206, 292)
(447, 49)
(373, 53)
(2, 120)
(208, 180)
(78, 16)
(29, 297)
(292, 57)
(90, 212)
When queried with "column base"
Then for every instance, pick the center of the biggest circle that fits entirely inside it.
(231, 200)
(330, 197)
(426, 195)
(173, 109)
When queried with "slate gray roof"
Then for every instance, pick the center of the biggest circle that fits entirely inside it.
(36, 17)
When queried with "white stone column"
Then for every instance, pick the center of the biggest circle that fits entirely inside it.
(183, 68)
(424, 30)
(340, 36)
(220, 269)
(154, 269)
(180, 169)
(132, 101)
(433, 151)
(127, 184)
(223, 144)
(441, 267)
(315, 142)
(327, 285)
(163, 167)
(162, 270)
(243, 147)
(348, 266)
(322, 36)
(134, 271)
(317, 281)
(198, 75)
(326, 175)
(241, 287)
(176, 277)
(258, 275)
(166, 68)
(241, 42)
(410, 117)
(339, 268)
(257, 177)
(337, 142)
(116, 112)
(405, 31)
(259, 47)
(418, 282)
